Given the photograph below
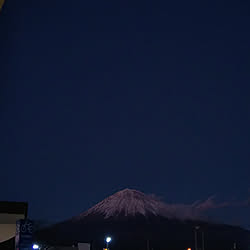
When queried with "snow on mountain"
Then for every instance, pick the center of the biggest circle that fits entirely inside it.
(129, 202)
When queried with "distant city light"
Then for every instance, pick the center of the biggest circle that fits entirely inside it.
(108, 239)
(35, 246)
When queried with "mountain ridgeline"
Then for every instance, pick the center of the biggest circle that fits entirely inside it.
(142, 222)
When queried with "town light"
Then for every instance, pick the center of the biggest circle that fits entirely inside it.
(35, 246)
(108, 239)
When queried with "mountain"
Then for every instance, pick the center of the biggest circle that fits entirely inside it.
(139, 221)
(130, 203)
(127, 202)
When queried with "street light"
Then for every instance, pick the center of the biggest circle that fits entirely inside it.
(108, 239)
(35, 246)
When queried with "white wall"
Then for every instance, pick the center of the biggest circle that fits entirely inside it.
(8, 225)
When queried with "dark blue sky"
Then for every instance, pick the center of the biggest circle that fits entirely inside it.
(99, 95)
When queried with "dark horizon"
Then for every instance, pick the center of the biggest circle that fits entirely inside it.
(130, 215)
(205, 210)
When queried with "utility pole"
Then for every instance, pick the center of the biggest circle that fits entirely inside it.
(235, 246)
(147, 244)
(195, 237)
(203, 241)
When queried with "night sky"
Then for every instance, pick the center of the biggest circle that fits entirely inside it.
(97, 96)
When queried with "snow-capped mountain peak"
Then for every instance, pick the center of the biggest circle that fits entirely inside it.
(127, 202)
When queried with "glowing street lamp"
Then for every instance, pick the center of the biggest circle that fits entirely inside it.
(108, 239)
(35, 246)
